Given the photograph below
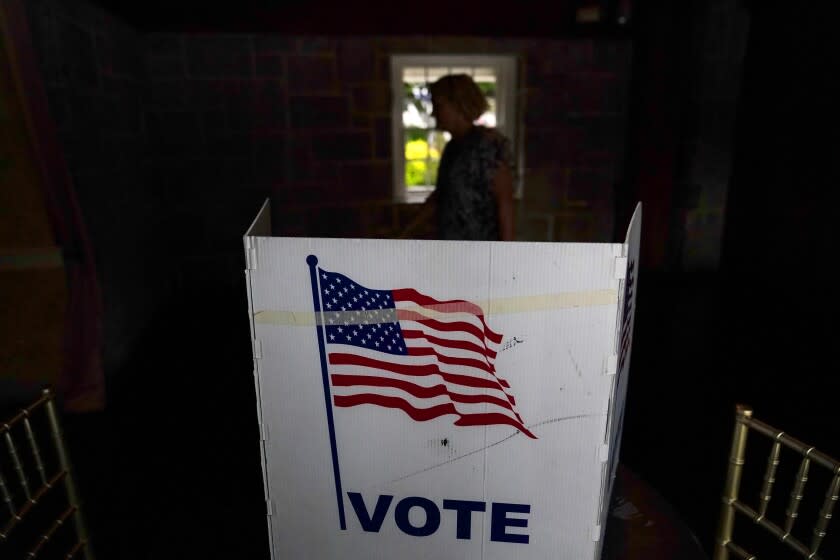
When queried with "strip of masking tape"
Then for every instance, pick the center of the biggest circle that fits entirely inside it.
(499, 306)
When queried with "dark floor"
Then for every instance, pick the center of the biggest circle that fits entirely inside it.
(171, 469)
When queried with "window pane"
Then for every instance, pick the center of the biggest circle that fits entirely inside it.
(415, 173)
(437, 141)
(487, 88)
(414, 118)
(435, 73)
(416, 107)
(423, 150)
(416, 149)
(423, 145)
(484, 74)
(489, 117)
(414, 133)
(414, 75)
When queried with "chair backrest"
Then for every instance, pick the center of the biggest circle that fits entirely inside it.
(40, 515)
(724, 545)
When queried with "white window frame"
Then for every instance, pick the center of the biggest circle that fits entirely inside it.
(505, 67)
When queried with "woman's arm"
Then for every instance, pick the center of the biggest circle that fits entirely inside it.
(423, 215)
(503, 191)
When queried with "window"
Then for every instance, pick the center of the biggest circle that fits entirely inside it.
(417, 146)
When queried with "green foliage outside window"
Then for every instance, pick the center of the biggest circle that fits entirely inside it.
(421, 163)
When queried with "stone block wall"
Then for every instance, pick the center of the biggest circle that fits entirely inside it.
(307, 121)
(174, 140)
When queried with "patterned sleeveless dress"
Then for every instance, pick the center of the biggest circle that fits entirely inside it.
(466, 205)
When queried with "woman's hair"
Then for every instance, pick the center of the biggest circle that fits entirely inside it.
(463, 93)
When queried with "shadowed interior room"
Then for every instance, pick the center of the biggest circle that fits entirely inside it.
(150, 135)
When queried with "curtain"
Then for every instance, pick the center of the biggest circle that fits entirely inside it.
(49, 234)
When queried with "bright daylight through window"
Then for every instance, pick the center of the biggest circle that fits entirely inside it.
(417, 145)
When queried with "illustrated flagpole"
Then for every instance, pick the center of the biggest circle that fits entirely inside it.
(312, 261)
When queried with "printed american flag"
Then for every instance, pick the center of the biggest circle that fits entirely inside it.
(402, 349)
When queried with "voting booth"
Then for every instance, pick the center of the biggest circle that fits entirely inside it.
(439, 399)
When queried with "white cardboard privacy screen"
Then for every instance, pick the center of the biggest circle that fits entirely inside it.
(447, 400)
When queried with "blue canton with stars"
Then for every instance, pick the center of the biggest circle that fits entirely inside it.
(358, 316)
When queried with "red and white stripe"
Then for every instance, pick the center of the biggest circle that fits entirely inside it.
(449, 368)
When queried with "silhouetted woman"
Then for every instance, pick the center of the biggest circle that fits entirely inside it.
(473, 198)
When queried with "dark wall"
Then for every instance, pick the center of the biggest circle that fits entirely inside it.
(758, 330)
(782, 219)
(545, 18)
(713, 66)
(779, 340)
(307, 120)
(92, 69)
(174, 139)
(684, 90)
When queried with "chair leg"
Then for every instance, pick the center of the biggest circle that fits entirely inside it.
(733, 483)
(63, 458)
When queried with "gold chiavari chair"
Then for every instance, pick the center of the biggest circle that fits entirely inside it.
(40, 516)
(724, 545)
